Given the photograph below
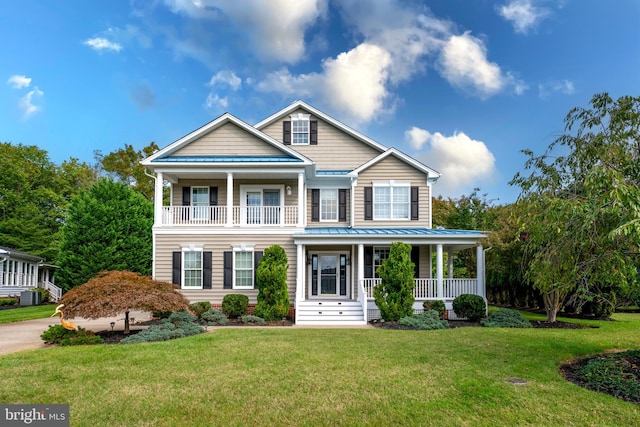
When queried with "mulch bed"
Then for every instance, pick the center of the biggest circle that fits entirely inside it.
(465, 324)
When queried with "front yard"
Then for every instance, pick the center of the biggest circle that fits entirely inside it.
(299, 376)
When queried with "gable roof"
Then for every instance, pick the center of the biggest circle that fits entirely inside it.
(164, 155)
(432, 174)
(301, 104)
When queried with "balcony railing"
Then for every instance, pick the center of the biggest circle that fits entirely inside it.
(428, 288)
(240, 215)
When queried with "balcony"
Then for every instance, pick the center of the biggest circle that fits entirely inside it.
(241, 216)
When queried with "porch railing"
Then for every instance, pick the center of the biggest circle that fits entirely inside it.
(428, 288)
(55, 293)
(240, 215)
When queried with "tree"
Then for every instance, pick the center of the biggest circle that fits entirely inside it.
(583, 202)
(124, 166)
(394, 294)
(114, 292)
(34, 195)
(108, 227)
(273, 295)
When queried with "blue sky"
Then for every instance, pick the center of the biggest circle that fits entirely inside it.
(462, 86)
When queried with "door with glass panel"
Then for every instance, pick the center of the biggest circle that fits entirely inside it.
(200, 202)
(254, 201)
(329, 276)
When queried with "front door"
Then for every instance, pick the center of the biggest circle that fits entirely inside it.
(329, 275)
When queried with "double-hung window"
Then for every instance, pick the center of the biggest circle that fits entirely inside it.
(380, 253)
(300, 129)
(192, 269)
(243, 269)
(329, 205)
(391, 200)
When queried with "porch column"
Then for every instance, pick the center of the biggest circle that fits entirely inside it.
(450, 263)
(300, 265)
(301, 198)
(157, 199)
(361, 274)
(229, 199)
(480, 270)
(439, 272)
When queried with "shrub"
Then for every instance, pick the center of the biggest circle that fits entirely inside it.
(252, 320)
(437, 305)
(614, 374)
(427, 320)
(8, 301)
(57, 334)
(178, 325)
(44, 294)
(470, 306)
(199, 308)
(505, 318)
(235, 305)
(214, 317)
(601, 306)
(394, 294)
(271, 276)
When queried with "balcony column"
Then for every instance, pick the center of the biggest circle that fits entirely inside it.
(480, 270)
(439, 271)
(301, 198)
(229, 199)
(300, 265)
(157, 200)
(449, 263)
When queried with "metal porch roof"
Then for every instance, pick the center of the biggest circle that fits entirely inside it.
(388, 231)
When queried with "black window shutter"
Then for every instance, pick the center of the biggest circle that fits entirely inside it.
(257, 256)
(186, 196)
(213, 196)
(286, 132)
(313, 132)
(415, 258)
(228, 270)
(414, 203)
(206, 270)
(315, 205)
(176, 267)
(342, 205)
(368, 262)
(368, 203)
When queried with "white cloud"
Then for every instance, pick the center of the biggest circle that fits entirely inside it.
(214, 101)
(275, 27)
(464, 64)
(100, 44)
(416, 137)
(564, 87)
(226, 77)
(18, 81)
(523, 14)
(464, 162)
(28, 102)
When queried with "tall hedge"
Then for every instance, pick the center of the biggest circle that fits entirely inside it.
(273, 295)
(394, 294)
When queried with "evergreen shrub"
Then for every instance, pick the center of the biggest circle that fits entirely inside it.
(57, 334)
(179, 324)
(505, 318)
(235, 305)
(470, 306)
(394, 294)
(437, 305)
(199, 308)
(252, 320)
(271, 276)
(426, 320)
(214, 317)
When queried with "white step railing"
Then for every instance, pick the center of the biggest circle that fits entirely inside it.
(428, 288)
(55, 293)
(241, 215)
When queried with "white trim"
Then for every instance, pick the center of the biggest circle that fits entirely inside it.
(244, 249)
(432, 174)
(337, 295)
(191, 248)
(391, 184)
(301, 118)
(337, 194)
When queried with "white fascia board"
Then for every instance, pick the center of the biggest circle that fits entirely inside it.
(301, 104)
(225, 118)
(432, 174)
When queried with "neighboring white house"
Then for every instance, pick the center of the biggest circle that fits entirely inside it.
(333, 198)
(20, 272)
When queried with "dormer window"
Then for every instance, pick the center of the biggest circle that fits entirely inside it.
(300, 129)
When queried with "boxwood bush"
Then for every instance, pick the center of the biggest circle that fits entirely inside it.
(437, 305)
(235, 305)
(199, 308)
(57, 334)
(505, 318)
(470, 306)
(427, 320)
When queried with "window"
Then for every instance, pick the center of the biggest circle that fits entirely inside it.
(300, 129)
(379, 255)
(391, 200)
(329, 205)
(200, 202)
(192, 269)
(243, 270)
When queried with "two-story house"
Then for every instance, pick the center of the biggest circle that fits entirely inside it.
(333, 198)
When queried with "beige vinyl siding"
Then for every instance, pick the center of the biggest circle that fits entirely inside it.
(291, 200)
(328, 223)
(228, 140)
(392, 168)
(167, 244)
(335, 150)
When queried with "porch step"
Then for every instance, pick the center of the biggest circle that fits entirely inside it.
(329, 313)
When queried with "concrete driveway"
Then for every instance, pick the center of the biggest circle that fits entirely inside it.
(25, 335)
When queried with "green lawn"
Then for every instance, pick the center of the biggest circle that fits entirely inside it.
(296, 376)
(26, 313)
